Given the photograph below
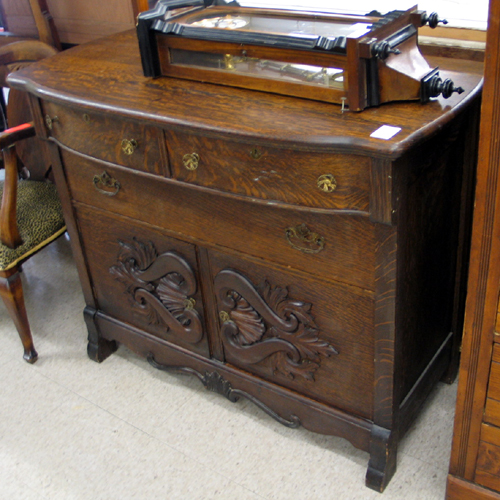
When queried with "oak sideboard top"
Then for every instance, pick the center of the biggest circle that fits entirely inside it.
(106, 75)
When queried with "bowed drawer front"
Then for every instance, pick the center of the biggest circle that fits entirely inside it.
(107, 138)
(294, 177)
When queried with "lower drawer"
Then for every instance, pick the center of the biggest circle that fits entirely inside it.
(334, 246)
(144, 278)
(488, 461)
(304, 334)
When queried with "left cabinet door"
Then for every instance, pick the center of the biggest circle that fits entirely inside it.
(144, 278)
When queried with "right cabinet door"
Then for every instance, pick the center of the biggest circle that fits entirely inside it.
(312, 336)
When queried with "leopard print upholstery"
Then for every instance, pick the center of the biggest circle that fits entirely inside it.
(39, 220)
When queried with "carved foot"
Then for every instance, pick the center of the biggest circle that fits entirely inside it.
(30, 355)
(98, 349)
(383, 455)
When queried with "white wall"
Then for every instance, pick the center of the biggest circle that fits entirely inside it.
(464, 13)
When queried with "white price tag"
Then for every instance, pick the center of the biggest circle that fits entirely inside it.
(385, 132)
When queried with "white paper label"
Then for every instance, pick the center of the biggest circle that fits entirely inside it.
(385, 132)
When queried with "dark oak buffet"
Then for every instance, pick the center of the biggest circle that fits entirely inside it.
(266, 244)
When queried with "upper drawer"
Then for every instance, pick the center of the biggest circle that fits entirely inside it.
(117, 141)
(317, 180)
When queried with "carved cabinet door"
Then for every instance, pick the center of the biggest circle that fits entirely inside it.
(144, 278)
(311, 336)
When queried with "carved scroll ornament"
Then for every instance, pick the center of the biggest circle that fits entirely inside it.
(160, 288)
(267, 324)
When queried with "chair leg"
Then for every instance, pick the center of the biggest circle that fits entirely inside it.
(11, 291)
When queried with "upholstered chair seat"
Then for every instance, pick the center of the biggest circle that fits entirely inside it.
(39, 221)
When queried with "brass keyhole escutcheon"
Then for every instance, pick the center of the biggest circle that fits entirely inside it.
(49, 121)
(255, 154)
(191, 160)
(327, 183)
(129, 146)
(86, 118)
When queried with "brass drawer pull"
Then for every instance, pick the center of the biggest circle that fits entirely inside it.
(49, 121)
(303, 239)
(106, 181)
(129, 146)
(191, 161)
(327, 183)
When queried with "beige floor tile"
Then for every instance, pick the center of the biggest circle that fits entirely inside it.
(429, 438)
(123, 385)
(416, 480)
(13, 487)
(307, 472)
(9, 340)
(294, 468)
(79, 451)
(26, 396)
(238, 437)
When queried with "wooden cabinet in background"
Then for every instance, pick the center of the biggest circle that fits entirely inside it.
(475, 461)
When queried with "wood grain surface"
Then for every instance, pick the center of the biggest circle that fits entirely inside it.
(87, 76)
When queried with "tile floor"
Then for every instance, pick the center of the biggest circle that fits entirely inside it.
(74, 429)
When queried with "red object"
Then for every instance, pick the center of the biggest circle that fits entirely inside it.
(18, 128)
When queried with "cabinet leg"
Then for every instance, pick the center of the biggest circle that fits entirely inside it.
(451, 372)
(98, 349)
(383, 457)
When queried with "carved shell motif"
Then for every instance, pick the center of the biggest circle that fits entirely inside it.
(259, 324)
(251, 328)
(160, 288)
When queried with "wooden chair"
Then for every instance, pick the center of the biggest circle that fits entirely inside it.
(46, 32)
(77, 21)
(30, 213)
(43, 24)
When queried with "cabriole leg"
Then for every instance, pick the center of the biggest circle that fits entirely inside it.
(11, 290)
